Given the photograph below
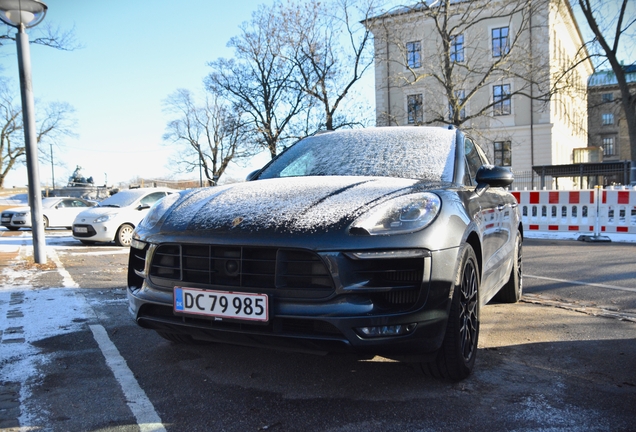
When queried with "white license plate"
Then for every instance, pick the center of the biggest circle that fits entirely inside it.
(221, 304)
(80, 229)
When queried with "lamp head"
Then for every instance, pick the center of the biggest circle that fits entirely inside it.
(22, 13)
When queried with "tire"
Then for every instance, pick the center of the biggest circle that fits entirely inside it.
(124, 235)
(46, 222)
(87, 242)
(513, 289)
(178, 338)
(456, 357)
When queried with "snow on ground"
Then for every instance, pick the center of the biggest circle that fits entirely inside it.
(28, 315)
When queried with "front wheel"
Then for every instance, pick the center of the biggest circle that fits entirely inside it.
(124, 235)
(456, 357)
(45, 221)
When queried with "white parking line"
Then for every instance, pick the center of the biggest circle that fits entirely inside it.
(571, 282)
(67, 279)
(141, 407)
(147, 418)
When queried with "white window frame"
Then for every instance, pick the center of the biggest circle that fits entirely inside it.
(408, 52)
(406, 102)
(509, 99)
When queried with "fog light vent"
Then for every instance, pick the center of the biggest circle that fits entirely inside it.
(384, 331)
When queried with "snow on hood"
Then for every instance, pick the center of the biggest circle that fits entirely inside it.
(98, 211)
(286, 204)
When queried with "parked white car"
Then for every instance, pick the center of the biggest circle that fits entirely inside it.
(56, 212)
(115, 218)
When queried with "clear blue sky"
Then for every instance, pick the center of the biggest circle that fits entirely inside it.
(135, 53)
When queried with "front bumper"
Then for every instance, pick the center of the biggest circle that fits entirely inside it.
(15, 221)
(330, 323)
(97, 232)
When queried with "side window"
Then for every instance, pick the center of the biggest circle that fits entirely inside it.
(474, 161)
(152, 198)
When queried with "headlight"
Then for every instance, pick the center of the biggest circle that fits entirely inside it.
(103, 218)
(21, 214)
(400, 215)
(158, 210)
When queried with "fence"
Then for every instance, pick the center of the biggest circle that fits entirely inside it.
(596, 211)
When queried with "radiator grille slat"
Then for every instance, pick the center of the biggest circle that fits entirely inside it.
(242, 267)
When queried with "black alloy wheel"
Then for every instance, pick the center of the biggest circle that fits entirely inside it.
(456, 357)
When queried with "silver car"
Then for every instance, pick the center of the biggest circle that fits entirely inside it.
(56, 212)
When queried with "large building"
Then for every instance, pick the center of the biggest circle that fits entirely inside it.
(607, 125)
(510, 72)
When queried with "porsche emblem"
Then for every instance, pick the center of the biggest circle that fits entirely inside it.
(237, 222)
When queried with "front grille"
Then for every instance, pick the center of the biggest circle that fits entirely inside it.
(241, 267)
(90, 231)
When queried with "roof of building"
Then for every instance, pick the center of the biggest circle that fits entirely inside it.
(608, 77)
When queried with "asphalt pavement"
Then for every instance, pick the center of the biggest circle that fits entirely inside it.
(563, 359)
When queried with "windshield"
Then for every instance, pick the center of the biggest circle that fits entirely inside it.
(404, 152)
(123, 198)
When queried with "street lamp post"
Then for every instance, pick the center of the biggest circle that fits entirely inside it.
(23, 14)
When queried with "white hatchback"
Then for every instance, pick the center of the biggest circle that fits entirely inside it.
(115, 218)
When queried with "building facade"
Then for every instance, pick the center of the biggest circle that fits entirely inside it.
(607, 126)
(501, 70)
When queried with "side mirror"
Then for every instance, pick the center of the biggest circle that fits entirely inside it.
(494, 176)
(251, 176)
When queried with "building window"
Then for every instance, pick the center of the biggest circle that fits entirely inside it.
(460, 97)
(608, 97)
(608, 119)
(503, 153)
(457, 49)
(414, 109)
(609, 147)
(500, 43)
(501, 100)
(414, 54)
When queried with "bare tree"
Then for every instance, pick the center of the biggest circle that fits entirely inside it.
(258, 81)
(213, 134)
(53, 122)
(47, 34)
(332, 51)
(613, 27)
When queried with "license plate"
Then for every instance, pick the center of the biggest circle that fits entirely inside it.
(80, 229)
(221, 304)
(6, 219)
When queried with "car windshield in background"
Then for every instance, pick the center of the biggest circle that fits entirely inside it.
(122, 199)
(404, 152)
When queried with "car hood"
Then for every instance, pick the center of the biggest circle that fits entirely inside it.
(293, 204)
(94, 212)
(17, 210)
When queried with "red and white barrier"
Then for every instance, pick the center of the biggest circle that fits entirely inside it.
(587, 211)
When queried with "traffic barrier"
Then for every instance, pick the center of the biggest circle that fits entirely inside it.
(586, 211)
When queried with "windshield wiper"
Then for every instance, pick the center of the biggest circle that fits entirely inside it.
(110, 205)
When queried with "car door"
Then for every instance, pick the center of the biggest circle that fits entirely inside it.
(489, 218)
(62, 213)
